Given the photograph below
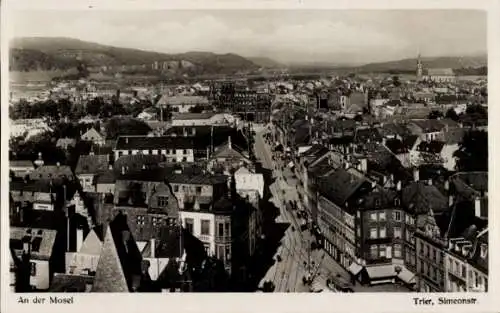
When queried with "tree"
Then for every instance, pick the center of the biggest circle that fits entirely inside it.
(435, 115)
(94, 106)
(451, 114)
(472, 154)
(119, 126)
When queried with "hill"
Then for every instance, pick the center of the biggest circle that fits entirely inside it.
(43, 53)
(266, 62)
(409, 65)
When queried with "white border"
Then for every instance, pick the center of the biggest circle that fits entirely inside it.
(374, 302)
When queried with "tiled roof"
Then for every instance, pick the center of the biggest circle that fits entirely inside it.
(154, 143)
(367, 135)
(136, 162)
(453, 136)
(431, 147)
(30, 186)
(92, 133)
(110, 276)
(380, 197)
(51, 171)
(92, 164)
(42, 240)
(429, 126)
(339, 186)
(92, 244)
(419, 198)
(106, 177)
(470, 184)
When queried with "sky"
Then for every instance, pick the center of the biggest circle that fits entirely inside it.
(287, 36)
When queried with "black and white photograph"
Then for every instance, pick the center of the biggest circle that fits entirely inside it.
(247, 151)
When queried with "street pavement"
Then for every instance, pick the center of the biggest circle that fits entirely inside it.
(295, 245)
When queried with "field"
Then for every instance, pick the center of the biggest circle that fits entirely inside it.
(35, 76)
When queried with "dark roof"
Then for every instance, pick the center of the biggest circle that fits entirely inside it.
(468, 183)
(367, 135)
(105, 177)
(192, 116)
(92, 164)
(379, 198)
(30, 186)
(51, 171)
(393, 129)
(453, 136)
(340, 185)
(419, 198)
(175, 175)
(132, 163)
(42, 241)
(153, 143)
(431, 147)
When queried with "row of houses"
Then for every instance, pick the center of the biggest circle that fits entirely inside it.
(143, 221)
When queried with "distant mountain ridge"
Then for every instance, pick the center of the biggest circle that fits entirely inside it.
(49, 53)
(427, 62)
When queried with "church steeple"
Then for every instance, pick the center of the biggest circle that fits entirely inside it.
(419, 68)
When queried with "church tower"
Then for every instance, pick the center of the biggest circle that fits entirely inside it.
(419, 68)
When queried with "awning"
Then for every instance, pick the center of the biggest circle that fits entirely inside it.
(355, 268)
(407, 276)
(381, 271)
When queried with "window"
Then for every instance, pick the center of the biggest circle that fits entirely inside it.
(373, 233)
(407, 235)
(228, 253)
(33, 268)
(434, 255)
(456, 268)
(397, 251)
(185, 151)
(156, 221)
(373, 216)
(383, 232)
(220, 229)
(377, 203)
(140, 220)
(162, 201)
(374, 252)
(220, 252)
(189, 224)
(397, 232)
(396, 215)
(198, 189)
(227, 227)
(397, 202)
(464, 272)
(205, 227)
(382, 251)
(381, 216)
(484, 250)
(206, 246)
(184, 159)
(176, 188)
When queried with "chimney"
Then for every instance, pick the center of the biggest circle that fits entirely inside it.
(79, 239)
(450, 200)
(429, 182)
(110, 167)
(416, 174)
(123, 170)
(126, 140)
(398, 186)
(477, 206)
(152, 243)
(229, 142)
(447, 185)
(58, 164)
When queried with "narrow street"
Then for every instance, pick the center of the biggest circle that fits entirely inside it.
(295, 245)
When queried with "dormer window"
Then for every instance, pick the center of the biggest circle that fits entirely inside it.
(162, 201)
(484, 250)
(140, 220)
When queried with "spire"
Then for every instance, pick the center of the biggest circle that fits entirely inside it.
(109, 275)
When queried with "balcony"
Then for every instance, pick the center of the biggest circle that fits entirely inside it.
(205, 238)
(222, 239)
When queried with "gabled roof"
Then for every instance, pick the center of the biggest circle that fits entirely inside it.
(109, 276)
(51, 171)
(340, 185)
(228, 151)
(92, 133)
(419, 198)
(92, 244)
